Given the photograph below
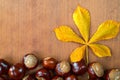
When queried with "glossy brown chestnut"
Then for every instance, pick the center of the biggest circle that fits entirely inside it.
(49, 63)
(57, 78)
(43, 74)
(96, 79)
(30, 61)
(52, 73)
(79, 68)
(5, 77)
(16, 71)
(95, 70)
(30, 77)
(113, 74)
(63, 68)
(2, 78)
(4, 66)
(71, 77)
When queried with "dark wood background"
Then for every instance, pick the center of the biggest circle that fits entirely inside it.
(27, 25)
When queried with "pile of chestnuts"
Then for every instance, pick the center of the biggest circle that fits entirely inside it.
(50, 69)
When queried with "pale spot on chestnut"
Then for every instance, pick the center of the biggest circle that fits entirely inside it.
(30, 61)
(57, 78)
(114, 74)
(98, 69)
(40, 78)
(65, 66)
(25, 78)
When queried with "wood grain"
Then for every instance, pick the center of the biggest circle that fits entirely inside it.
(27, 25)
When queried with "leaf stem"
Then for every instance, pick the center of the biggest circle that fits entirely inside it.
(87, 55)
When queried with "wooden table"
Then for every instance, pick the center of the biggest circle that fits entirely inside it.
(27, 25)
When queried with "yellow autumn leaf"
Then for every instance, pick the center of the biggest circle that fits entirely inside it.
(81, 18)
(100, 50)
(119, 25)
(106, 30)
(77, 54)
(65, 33)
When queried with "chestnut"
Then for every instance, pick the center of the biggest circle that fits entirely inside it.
(29, 77)
(57, 78)
(71, 77)
(30, 61)
(96, 79)
(2, 78)
(5, 77)
(49, 63)
(52, 73)
(16, 71)
(113, 74)
(4, 66)
(63, 68)
(79, 68)
(95, 70)
(42, 74)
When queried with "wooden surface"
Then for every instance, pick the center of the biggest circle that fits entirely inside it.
(27, 25)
